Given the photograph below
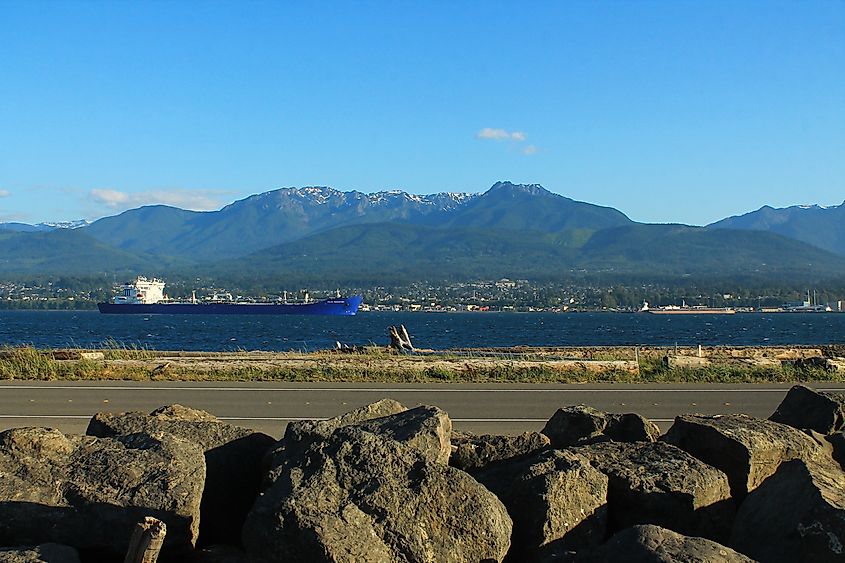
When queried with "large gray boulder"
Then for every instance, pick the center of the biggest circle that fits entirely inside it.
(816, 410)
(90, 492)
(425, 429)
(473, 453)
(362, 496)
(556, 499)
(581, 425)
(747, 449)
(657, 483)
(797, 514)
(44, 553)
(233, 458)
(302, 434)
(653, 544)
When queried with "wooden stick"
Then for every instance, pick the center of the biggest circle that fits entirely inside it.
(146, 542)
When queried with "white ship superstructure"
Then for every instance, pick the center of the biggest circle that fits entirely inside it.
(141, 291)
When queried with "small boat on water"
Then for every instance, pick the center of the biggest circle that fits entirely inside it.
(685, 309)
(146, 296)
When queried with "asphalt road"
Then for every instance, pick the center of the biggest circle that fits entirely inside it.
(268, 407)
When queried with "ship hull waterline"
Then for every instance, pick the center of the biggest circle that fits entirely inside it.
(339, 307)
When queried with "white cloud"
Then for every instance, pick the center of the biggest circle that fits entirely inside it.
(5, 193)
(493, 134)
(195, 200)
(109, 198)
(500, 135)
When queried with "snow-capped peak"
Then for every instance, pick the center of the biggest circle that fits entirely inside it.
(318, 194)
(818, 206)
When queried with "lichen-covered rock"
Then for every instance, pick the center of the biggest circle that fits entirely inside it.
(363, 496)
(425, 429)
(306, 432)
(653, 544)
(90, 492)
(556, 499)
(233, 458)
(473, 453)
(301, 434)
(747, 449)
(807, 408)
(44, 553)
(824, 444)
(581, 425)
(657, 483)
(797, 514)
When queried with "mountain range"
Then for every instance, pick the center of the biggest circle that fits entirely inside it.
(818, 225)
(286, 215)
(511, 230)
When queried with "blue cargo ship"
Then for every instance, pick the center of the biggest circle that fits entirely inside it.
(147, 297)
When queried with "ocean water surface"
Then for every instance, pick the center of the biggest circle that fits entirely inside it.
(90, 329)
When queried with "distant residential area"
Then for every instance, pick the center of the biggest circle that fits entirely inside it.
(475, 296)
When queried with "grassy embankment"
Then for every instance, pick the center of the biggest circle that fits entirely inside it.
(575, 365)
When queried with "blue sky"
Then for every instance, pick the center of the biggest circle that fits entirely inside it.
(668, 111)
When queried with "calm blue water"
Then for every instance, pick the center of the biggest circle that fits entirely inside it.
(59, 329)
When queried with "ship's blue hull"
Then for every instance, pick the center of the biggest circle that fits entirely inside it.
(339, 306)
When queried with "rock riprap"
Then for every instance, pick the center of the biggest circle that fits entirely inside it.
(556, 499)
(816, 410)
(473, 453)
(747, 449)
(302, 434)
(89, 492)
(837, 444)
(657, 483)
(44, 553)
(233, 458)
(424, 429)
(378, 491)
(797, 514)
(386, 483)
(653, 544)
(582, 425)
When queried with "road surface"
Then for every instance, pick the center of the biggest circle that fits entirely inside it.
(482, 408)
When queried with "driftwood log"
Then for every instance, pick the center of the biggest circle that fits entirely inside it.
(400, 339)
(146, 542)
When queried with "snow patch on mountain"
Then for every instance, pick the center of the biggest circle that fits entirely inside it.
(44, 227)
(818, 206)
(78, 224)
(319, 194)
